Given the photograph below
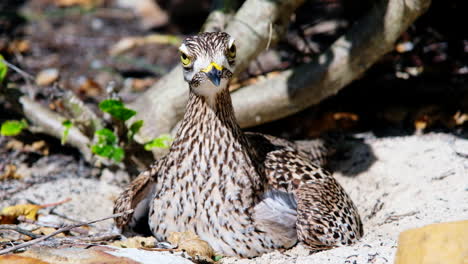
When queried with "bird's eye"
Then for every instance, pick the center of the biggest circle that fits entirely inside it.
(231, 52)
(185, 59)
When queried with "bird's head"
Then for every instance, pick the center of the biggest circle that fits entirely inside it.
(208, 61)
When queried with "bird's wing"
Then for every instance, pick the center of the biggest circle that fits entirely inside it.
(326, 216)
(136, 196)
(316, 151)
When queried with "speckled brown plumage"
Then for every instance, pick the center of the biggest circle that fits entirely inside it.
(244, 193)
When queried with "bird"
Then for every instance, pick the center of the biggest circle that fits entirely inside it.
(246, 194)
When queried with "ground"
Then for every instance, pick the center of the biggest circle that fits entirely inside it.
(397, 183)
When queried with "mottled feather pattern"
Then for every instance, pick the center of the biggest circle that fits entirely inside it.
(244, 193)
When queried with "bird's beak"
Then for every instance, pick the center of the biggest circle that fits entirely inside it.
(214, 72)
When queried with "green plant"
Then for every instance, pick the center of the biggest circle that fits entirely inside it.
(3, 69)
(163, 141)
(107, 145)
(116, 109)
(67, 124)
(13, 127)
(134, 128)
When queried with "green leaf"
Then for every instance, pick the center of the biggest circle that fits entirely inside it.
(118, 154)
(110, 104)
(163, 141)
(217, 258)
(134, 128)
(107, 145)
(106, 136)
(12, 127)
(116, 109)
(3, 69)
(103, 150)
(67, 124)
(122, 114)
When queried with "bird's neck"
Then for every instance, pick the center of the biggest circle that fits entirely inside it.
(209, 116)
(212, 145)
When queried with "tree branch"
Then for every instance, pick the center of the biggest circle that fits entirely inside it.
(50, 123)
(347, 59)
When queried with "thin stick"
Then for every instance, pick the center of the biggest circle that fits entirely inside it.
(19, 230)
(61, 230)
(28, 77)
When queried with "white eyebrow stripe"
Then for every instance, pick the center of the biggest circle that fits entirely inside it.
(183, 48)
(231, 41)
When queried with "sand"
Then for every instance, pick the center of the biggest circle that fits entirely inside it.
(397, 183)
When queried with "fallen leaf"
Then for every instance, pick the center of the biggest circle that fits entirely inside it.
(150, 13)
(89, 87)
(192, 244)
(28, 210)
(15, 259)
(460, 118)
(46, 231)
(9, 214)
(135, 242)
(82, 3)
(128, 43)
(10, 173)
(18, 46)
(14, 145)
(39, 146)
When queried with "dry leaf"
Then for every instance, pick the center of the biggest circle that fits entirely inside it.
(135, 242)
(39, 146)
(82, 3)
(128, 43)
(10, 173)
(15, 259)
(15, 145)
(46, 231)
(460, 118)
(9, 214)
(192, 244)
(28, 210)
(89, 87)
(18, 46)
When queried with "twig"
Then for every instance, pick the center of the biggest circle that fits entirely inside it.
(23, 219)
(28, 77)
(394, 218)
(105, 237)
(19, 230)
(61, 230)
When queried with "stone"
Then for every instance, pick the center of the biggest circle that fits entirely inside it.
(445, 243)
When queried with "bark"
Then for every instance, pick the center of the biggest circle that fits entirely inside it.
(346, 59)
(50, 123)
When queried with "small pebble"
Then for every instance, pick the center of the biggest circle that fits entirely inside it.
(47, 76)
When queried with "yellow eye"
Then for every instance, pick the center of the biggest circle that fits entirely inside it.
(231, 52)
(184, 59)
